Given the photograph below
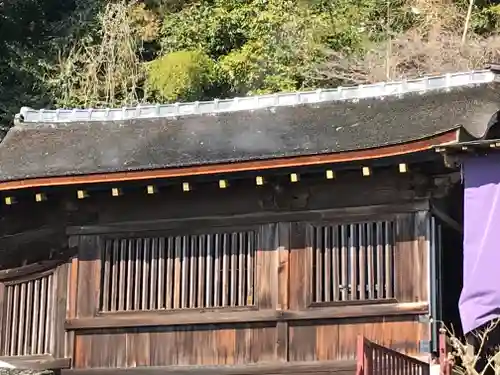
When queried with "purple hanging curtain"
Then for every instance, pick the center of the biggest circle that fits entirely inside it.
(480, 298)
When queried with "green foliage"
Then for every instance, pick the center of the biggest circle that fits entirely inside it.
(86, 53)
(104, 68)
(262, 46)
(181, 75)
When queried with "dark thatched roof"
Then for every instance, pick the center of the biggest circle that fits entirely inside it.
(55, 148)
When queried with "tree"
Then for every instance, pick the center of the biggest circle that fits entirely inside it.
(103, 53)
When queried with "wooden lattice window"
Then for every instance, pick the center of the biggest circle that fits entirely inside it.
(353, 262)
(28, 316)
(178, 272)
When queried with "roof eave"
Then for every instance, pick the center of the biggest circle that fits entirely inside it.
(402, 149)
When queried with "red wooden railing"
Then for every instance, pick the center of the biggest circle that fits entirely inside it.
(374, 359)
(445, 364)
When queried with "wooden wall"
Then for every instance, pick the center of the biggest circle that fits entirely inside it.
(281, 323)
(329, 261)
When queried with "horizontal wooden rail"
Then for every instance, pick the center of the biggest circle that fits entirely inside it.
(21, 238)
(28, 270)
(326, 367)
(339, 215)
(158, 318)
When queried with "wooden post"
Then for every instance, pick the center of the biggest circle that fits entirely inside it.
(283, 288)
(360, 356)
(444, 364)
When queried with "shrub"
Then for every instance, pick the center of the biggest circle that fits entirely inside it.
(181, 76)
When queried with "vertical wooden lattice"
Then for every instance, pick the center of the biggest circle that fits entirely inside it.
(178, 272)
(28, 317)
(353, 262)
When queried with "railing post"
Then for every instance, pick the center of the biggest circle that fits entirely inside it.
(444, 363)
(360, 356)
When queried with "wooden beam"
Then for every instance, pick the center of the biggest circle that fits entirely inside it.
(201, 317)
(40, 234)
(339, 214)
(291, 162)
(81, 194)
(330, 175)
(277, 368)
(116, 192)
(446, 219)
(10, 200)
(40, 197)
(151, 189)
(31, 269)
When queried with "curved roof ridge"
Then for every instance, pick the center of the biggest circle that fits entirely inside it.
(352, 93)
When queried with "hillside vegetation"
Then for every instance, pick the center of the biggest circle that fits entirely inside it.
(101, 53)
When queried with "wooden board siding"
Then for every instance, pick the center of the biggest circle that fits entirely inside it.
(283, 321)
(267, 275)
(328, 340)
(241, 344)
(211, 345)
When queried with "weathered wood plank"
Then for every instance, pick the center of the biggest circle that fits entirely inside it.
(210, 293)
(145, 285)
(336, 339)
(193, 271)
(61, 299)
(36, 315)
(3, 317)
(220, 317)
(225, 270)
(170, 276)
(138, 348)
(184, 292)
(299, 284)
(88, 276)
(122, 286)
(138, 274)
(283, 297)
(421, 256)
(353, 257)
(129, 264)
(317, 212)
(327, 367)
(36, 268)
(344, 291)
(362, 261)
(115, 263)
(267, 258)
(404, 258)
(234, 269)
(22, 320)
(202, 271)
